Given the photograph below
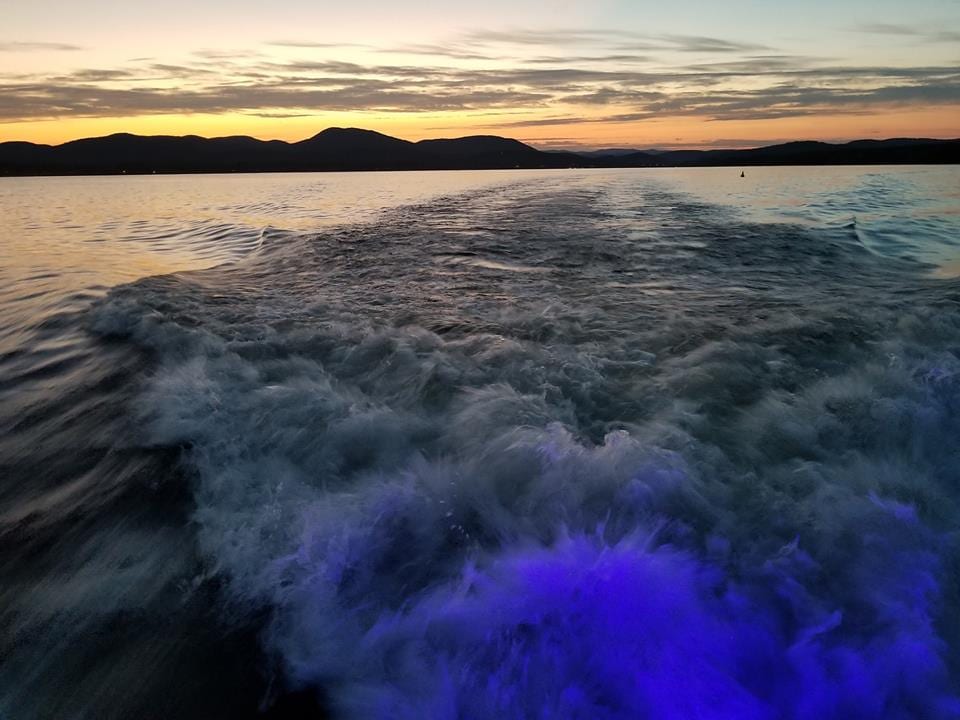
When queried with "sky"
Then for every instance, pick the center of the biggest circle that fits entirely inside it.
(561, 74)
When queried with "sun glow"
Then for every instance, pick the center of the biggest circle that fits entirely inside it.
(609, 74)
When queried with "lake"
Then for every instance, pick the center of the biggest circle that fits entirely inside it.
(564, 443)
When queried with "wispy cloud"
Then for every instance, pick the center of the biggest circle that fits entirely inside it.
(38, 47)
(694, 43)
(886, 29)
(917, 34)
(208, 54)
(567, 59)
(617, 39)
(310, 44)
(558, 36)
(441, 51)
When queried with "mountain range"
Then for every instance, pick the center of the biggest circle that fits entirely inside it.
(356, 149)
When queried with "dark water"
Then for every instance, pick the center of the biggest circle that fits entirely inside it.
(629, 444)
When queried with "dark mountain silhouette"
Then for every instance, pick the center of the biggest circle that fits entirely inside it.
(858, 152)
(356, 149)
(350, 149)
(490, 151)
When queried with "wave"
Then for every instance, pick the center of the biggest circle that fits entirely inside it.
(460, 490)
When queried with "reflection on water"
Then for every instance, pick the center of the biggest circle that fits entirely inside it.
(66, 234)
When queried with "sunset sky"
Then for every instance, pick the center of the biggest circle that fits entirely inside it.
(557, 74)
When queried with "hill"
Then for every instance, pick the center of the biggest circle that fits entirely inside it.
(357, 149)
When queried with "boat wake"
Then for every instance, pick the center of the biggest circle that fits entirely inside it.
(692, 466)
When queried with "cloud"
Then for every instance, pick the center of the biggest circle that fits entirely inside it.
(695, 43)
(721, 80)
(546, 122)
(623, 40)
(439, 51)
(208, 54)
(280, 115)
(310, 44)
(779, 101)
(94, 75)
(886, 29)
(551, 37)
(38, 47)
(21, 100)
(561, 59)
(920, 35)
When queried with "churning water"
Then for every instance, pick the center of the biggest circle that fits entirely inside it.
(587, 444)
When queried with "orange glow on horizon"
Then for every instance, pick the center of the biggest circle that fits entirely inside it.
(936, 122)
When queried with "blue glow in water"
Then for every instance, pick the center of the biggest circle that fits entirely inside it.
(591, 630)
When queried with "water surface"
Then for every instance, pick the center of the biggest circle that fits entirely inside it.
(606, 444)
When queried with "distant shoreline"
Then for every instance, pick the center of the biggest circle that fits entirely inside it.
(172, 173)
(356, 150)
